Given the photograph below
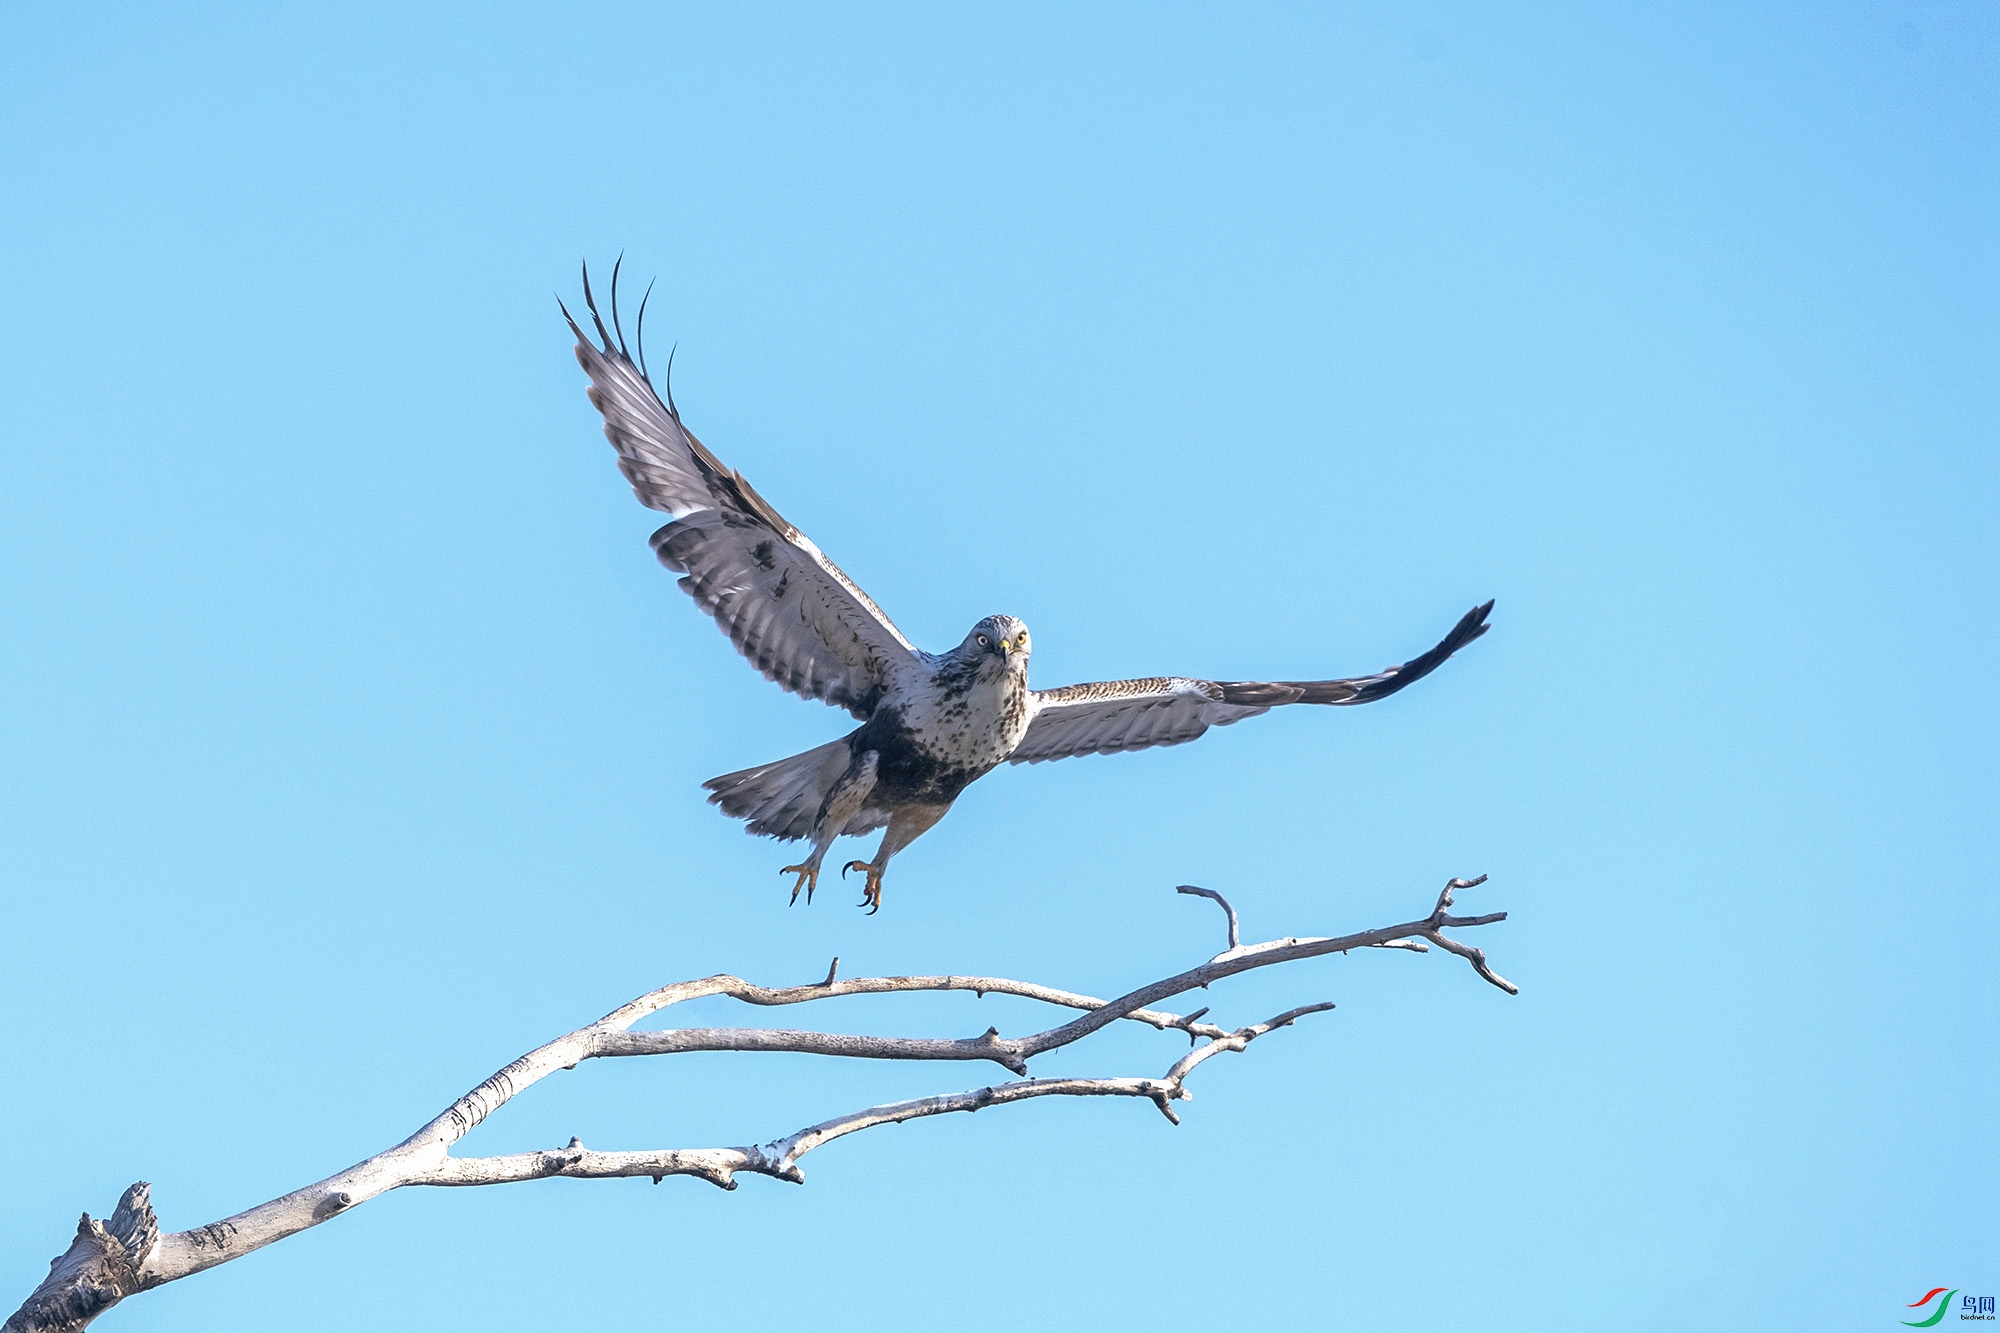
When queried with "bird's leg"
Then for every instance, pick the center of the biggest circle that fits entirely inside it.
(905, 827)
(842, 803)
(807, 871)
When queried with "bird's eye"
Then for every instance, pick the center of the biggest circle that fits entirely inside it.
(985, 642)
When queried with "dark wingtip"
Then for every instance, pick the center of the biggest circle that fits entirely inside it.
(1471, 625)
(671, 351)
(590, 303)
(616, 326)
(641, 335)
(573, 326)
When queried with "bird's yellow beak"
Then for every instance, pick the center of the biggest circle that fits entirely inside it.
(1006, 647)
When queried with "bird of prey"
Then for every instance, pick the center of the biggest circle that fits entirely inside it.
(931, 723)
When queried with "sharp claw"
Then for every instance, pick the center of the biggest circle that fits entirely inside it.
(808, 880)
(871, 896)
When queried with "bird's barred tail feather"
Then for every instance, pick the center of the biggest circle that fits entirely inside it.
(783, 799)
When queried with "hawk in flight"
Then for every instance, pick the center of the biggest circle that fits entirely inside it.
(931, 723)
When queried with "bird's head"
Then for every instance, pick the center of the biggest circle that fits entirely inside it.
(997, 641)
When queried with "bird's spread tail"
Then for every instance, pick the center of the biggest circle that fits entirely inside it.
(782, 799)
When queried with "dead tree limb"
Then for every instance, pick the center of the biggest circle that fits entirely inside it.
(111, 1260)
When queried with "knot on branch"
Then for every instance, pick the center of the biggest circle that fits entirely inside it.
(774, 1160)
(1001, 1051)
(555, 1161)
(99, 1269)
(337, 1202)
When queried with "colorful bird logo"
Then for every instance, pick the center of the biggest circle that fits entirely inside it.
(1943, 1305)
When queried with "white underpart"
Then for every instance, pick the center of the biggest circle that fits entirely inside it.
(973, 729)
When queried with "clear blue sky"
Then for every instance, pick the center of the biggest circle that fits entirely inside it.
(351, 737)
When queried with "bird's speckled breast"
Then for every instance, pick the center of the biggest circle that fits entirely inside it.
(934, 742)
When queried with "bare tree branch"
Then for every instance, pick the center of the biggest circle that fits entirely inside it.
(110, 1261)
(1234, 939)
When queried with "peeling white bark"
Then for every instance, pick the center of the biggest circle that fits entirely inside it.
(112, 1260)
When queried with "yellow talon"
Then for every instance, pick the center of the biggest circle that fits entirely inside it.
(808, 880)
(871, 894)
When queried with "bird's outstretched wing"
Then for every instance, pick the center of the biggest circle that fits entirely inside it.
(785, 606)
(1107, 717)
